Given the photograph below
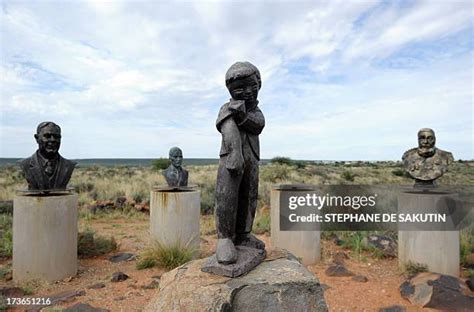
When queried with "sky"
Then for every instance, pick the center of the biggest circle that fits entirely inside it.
(341, 80)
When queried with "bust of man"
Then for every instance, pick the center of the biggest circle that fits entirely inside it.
(175, 174)
(426, 163)
(46, 169)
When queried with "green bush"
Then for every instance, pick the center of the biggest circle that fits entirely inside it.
(275, 173)
(160, 163)
(411, 268)
(6, 236)
(168, 257)
(354, 241)
(470, 273)
(90, 245)
(466, 244)
(282, 161)
(4, 270)
(6, 207)
(398, 172)
(288, 161)
(207, 198)
(262, 223)
(348, 176)
(139, 196)
(83, 187)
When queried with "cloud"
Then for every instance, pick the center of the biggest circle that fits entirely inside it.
(392, 27)
(151, 74)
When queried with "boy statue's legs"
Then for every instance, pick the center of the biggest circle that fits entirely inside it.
(227, 198)
(248, 197)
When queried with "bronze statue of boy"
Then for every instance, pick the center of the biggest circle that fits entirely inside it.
(46, 169)
(240, 122)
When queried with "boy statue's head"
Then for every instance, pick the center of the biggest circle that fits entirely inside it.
(243, 82)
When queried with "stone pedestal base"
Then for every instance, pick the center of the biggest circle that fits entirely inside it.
(280, 283)
(305, 245)
(174, 217)
(438, 250)
(44, 237)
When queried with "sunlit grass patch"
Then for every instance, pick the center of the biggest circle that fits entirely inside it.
(165, 256)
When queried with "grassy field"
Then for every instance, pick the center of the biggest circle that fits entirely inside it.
(102, 186)
(108, 183)
(113, 216)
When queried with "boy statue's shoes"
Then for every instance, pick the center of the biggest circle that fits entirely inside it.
(249, 240)
(225, 251)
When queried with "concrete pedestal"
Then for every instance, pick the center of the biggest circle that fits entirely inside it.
(174, 217)
(439, 250)
(44, 237)
(303, 244)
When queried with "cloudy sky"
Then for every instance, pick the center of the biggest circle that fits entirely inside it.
(342, 80)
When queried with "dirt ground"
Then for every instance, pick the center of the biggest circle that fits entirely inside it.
(342, 294)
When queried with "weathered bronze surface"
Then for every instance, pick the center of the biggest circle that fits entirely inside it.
(240, 122)
(175, 174)
(426, 163)
(46, 169)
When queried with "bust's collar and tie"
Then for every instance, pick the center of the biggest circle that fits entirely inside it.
(48, 165)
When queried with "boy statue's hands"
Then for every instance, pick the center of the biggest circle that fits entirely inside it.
(235, 163)
(237, 107)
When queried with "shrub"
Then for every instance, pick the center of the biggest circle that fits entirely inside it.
(262, 222)
(6, 244)
(470, 273)
(398, 172)
(4, 270)
(90, 245)
(274, 173)
(401, 173)
(281, 160)
(207, 225)
(207, 198)
(160, 163)
(3, 303)
(411, 268)
(83, 187)
(6, 207)
(139, 196)
(168, 257)
(466, 244)
(348, 176)
(354, 241)
(6, 236)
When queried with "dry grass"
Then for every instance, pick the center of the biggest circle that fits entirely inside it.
(108, 183)
(96, 183)
(167, 257)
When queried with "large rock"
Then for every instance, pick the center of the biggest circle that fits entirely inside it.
(280, 283)
(437, 291)
(338, 270)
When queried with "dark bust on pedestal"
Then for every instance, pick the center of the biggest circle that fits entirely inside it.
(46, 169)
(426, 163)
(175, 174)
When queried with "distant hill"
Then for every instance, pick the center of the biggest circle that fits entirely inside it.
(120, 161)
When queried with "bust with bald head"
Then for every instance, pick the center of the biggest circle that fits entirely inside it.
(426, 163)
(46, 169)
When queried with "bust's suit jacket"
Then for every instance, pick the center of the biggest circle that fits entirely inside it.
(182, 179)
(249, 128)
(38, 180)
